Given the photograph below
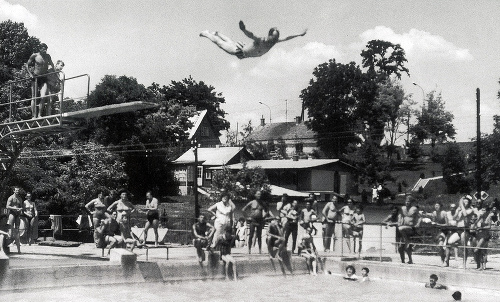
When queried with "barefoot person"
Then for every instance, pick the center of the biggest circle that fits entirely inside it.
(41, 60)
(124, 209)
(54, 84)
(223, 215)
(203, 233)
(225, 242)
(330, 216)
(153, 216)
(258, 47)
(31, 214)
(15, 206)
(257, 213)
(307, 249)
(408, 221)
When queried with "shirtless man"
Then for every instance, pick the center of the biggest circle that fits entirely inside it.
(153, 217)
(408, 221)
(258, 47)
(41, 60)
(15, 206)
(257, 214)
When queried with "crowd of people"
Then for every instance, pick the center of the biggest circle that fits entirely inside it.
(469, 225)
(110, 219)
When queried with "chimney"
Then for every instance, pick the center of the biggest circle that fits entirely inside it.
(298, 120)
(262, 121)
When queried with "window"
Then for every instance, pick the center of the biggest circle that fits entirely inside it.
(208, 175)
(299, 147)
(205, 132)
(199, 171)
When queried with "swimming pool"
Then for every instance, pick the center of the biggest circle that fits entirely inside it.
(295, 288)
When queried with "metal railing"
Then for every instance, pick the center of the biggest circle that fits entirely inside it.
(35, 89)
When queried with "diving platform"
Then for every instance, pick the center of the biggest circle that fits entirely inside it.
(67, 121)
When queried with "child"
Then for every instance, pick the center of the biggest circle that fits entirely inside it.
(433, 283)
(225, 243)
(350, 273)
(307, 249)
(364, 274)
(357, 222)
(241, 232)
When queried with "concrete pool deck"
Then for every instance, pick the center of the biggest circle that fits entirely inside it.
(50, 266)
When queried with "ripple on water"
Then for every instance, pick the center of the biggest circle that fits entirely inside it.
(261, 288)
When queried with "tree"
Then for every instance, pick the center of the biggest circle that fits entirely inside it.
(148, 138)
(384, 57)
(188, 92)
(454, 167)
(434, 123)
(399, 112)
(60, 180)
(16, 45)
(243, 184)
(331, 100)
(490, 155)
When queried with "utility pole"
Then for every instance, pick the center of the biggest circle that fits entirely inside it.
(478, 144)
(286, 111)
(195, 185)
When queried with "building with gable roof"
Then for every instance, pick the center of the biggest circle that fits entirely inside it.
(203, 131)
(298, 139)
(185, 165)
(325, 177)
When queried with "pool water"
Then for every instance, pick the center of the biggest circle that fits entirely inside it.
(276, 289)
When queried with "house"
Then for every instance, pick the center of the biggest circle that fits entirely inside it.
(206, 159)
(203, 130)
(323, 176)
(298, 139)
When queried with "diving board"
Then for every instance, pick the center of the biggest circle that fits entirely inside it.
(109, 110)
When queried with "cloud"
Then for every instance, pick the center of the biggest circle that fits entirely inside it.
(419, 44)
(280, 63)
(17, 13)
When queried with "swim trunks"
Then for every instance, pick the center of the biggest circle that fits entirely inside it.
(153, 215)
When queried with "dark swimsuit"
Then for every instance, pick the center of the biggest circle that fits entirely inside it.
(153, 215)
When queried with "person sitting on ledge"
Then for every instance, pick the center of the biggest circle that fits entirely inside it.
(224, 243)
(433, 283)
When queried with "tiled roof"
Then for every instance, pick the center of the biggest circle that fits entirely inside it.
(210, 156)
(286, 131)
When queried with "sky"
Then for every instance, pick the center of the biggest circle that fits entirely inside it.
(452, 47)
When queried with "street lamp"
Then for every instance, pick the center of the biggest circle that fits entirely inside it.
(270, 120)
(423, 93)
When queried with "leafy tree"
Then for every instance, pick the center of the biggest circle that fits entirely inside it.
(331, 100)
(368, 159)
(384, 57)
(434, 123)
(60, 180)
(490, 155)
(242, 184)
(399, 112)
(16, 45)
(454, 167)
(147, 138)
(189, 92)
